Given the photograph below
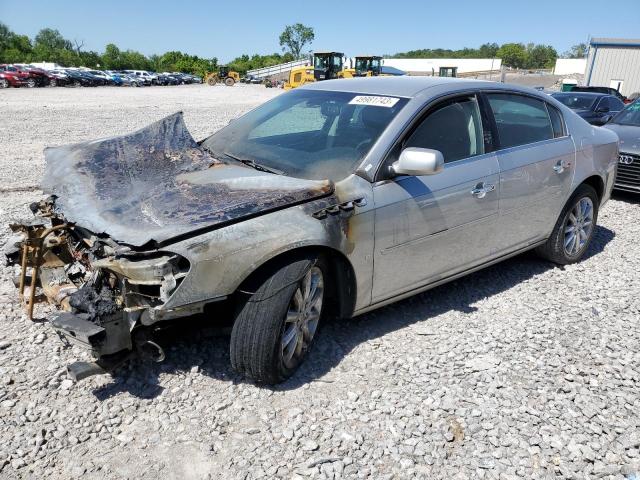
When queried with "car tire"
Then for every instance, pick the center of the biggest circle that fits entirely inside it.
(277, 323)
(77, 83)
(4, 83)
(574, 229)
(31, 83)
(53, 82)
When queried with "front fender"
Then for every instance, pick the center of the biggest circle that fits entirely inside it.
(220, 260)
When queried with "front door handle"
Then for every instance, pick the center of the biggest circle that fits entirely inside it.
(482, 189)
(561, 166)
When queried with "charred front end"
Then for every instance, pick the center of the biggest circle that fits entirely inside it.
(124, 239)
(103, 290)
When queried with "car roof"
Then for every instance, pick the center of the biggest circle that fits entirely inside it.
(406, 86)
(584, 94)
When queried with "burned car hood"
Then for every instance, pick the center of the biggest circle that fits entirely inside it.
(158, 184)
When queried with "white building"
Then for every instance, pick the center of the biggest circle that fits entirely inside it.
(432, 66)
(614, 62)
(568, 66)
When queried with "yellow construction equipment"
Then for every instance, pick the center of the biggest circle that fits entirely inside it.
(326, 66)
(366, 66)
(224, 75)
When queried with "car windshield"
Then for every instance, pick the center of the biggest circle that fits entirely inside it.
(308, 134)
(629, 116)
(576, 101)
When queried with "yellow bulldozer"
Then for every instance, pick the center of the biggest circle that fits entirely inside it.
(329, 65)
(326, 66)
(223, 75)
(366, 66)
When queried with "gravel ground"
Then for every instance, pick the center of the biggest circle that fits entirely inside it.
(522, 370)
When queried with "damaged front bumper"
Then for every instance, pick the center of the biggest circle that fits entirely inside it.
(108, 295)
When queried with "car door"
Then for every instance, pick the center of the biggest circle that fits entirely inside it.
(430, 227)
(537, 160)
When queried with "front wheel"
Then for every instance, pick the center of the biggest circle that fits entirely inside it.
(574, 229)
(229, 82)
(4, 83)
(276, 325)
(31, 83)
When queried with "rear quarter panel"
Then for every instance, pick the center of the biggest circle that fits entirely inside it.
(596, 151)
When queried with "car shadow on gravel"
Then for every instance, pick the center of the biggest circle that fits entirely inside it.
(204, 348)
(627, 197)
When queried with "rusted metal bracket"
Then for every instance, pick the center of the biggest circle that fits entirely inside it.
(32, 254)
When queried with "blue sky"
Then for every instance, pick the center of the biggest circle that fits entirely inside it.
(228, 28)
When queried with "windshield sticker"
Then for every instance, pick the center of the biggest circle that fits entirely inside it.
(374, 101)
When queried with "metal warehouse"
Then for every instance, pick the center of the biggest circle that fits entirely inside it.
(614, 62)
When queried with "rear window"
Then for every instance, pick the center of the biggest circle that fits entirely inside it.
(520, 119)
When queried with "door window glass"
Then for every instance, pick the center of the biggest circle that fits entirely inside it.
(520, 119)
(454, 128)
(615, 104)
(604, 105)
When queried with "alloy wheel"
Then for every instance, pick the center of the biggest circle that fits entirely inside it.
(578, 226)
(302, 318)
(4, 83)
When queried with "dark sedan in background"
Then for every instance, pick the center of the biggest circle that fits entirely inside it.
(627, 125)
(595, 108)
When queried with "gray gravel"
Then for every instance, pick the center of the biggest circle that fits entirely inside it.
(519, 371)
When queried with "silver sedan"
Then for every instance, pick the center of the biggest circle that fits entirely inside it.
(328, 201)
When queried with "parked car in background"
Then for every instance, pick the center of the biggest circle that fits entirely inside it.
(11, 79)
(595, 108)
(146, 77)
(251, 79)
(108, 78)
(627, 125)
(78, 78)
(384, 188)
(167, 79)
(605, 90)
(58, 78)
(29, 79)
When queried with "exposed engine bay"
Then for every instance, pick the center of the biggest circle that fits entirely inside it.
(103, 290)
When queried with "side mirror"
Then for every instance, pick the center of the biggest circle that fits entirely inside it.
(418, 161)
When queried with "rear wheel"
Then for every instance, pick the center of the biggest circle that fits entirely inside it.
(77, 83)
(211, 81)
(53, 82)
(229, 82)
(31, 83)
(574, 229)
(276, 325)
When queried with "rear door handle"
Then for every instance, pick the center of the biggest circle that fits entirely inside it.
(561, 166)
(482, 189)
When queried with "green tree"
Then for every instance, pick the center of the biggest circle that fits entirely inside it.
(14, 48)
(111, 59)
(50, 46)
(513, 55)
(295, 37)
(541, 56)
(488, 50)
(51, 39)
(579, 50)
